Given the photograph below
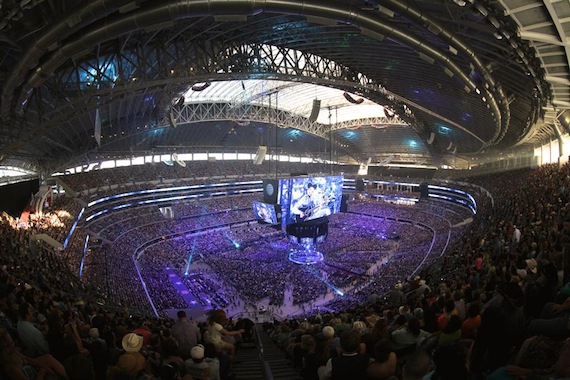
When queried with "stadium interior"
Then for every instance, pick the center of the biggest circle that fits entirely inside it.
(283, 189)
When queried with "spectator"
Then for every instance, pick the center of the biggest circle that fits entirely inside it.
(410, 335)
(416, 366)
(144, 331)
(79, 367)
(385, 362)
(451, 333)
(131, 366)
(473, 322)
(350, 364)
(20, 366)
(216, 331)
(450, 362)
(186, 334)
(33, 341)
(201, 368)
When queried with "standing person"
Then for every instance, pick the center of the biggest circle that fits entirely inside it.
(216, 330)
(186, 333)
(516, 235)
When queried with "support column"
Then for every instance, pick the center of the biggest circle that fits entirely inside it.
(562, 155)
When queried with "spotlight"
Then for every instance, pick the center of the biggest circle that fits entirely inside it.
(461, 3)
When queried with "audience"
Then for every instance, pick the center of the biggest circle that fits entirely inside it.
(492, 293)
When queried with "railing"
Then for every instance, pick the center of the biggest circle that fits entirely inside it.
(267, 374)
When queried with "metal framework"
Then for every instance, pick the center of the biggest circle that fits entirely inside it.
(129, 77)
(204, 112)
(460, 65)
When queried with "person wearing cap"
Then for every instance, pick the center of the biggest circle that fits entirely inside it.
(397, 297)
(531, 270)
(201, 367)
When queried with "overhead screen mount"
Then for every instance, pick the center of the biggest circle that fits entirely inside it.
(260, 155)
(172, 119)
(174, 158)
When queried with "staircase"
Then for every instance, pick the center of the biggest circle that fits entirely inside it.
(247, 365)
(280, 367)
(271, 365)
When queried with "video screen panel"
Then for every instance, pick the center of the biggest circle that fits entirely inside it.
(265, 212)
(312, 198)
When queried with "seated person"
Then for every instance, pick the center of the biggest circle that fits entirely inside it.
(385, 363)
(350, 364)
(18, 366)
(216, 330)
(201, 367)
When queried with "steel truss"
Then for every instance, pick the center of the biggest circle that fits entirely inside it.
(123, 73)
(163, 70)
(202, 112)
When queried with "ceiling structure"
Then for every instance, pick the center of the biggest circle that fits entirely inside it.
(420, 80)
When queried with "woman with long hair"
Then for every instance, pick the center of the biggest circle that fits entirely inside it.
(216, 332)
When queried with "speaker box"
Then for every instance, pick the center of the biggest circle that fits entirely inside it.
(260, 155)
(315, 111)
(344, 203)
(172, 119)
(359, 184)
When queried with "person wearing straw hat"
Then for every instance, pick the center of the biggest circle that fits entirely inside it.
(132, 342)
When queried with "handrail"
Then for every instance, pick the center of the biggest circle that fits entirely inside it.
(267, 374)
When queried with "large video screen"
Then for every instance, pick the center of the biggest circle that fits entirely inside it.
(265, 212)
(312, 198)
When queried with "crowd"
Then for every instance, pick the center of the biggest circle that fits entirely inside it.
(354, 245)
(494, 306)
(138, 177)
(489, 301)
